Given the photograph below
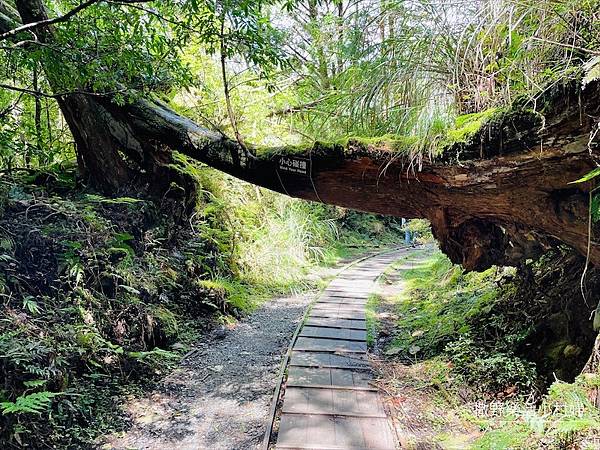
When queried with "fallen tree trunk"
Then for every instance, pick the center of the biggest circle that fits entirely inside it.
(500, 199)
(508, 204)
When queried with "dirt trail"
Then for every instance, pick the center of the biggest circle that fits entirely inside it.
(421, 415)
(219, 398)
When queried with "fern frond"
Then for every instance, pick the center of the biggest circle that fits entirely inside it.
(35, 403)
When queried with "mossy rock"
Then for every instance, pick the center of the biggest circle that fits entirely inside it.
(554, 352)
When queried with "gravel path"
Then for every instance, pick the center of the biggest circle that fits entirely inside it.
(220, 396)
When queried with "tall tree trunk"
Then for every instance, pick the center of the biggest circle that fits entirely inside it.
(109, 154)
(322, 70)
(340, 38)
(37, 116)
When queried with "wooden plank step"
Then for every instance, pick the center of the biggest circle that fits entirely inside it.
(329, 345)
(364, 273)
(328, 360)
(334, 333)
(353, 280)
(350, 287)
(319, 377)
(310, 432)
(347, 311)
(336, 323)
(355, 315)
(347, 294)
(344, 300)
(337, 307)
(308, 400)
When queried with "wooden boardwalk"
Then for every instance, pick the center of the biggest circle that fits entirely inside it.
(329, 403)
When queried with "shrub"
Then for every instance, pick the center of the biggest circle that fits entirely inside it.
(490, 371)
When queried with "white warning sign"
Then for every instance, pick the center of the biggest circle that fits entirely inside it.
(292, 164)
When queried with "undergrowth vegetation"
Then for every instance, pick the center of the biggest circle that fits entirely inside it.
(503, 349)
(101, 296)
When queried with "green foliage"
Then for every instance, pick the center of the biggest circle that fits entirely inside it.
(120, 247)
(35, 403)
(440, 310)
(236, 27)
(371, 319)
(86, 315)
(101, 296)
(31, 306)
(468, 339)
(444, 298)
(270, 241)
(565, 419)
(420, 230)
(588, 176)
(239, 296)
(299, 73)
(154, 357)
(291, 235)
(509, 436)
(490, 371)
(98, 292)
(570, 409)
(595, 200)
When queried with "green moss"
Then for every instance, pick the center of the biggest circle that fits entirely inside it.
(266, 152)
(589, 380)
(390, 143)
(185, 165)
(167, 320)
(371, 318)
(555, 351)
(510, 436)
(431, 138)
(467, 125)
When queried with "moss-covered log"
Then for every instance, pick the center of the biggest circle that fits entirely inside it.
(499, 198)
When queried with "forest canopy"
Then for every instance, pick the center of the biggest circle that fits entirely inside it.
(313, 70)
